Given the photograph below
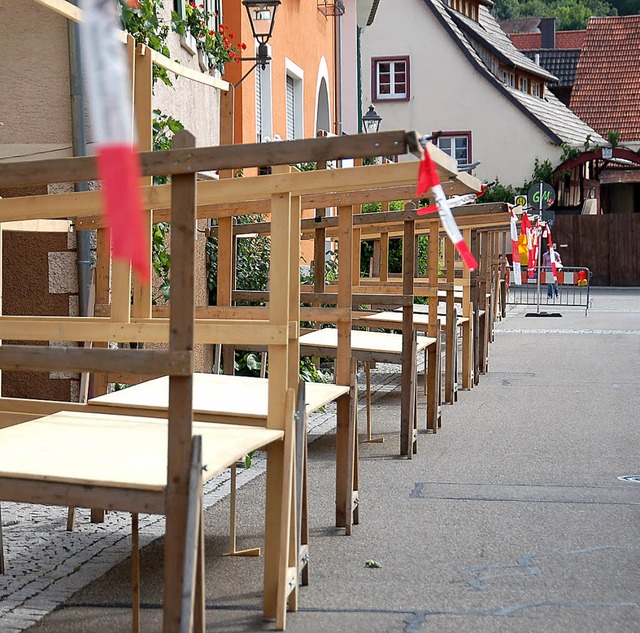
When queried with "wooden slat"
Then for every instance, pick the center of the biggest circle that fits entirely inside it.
(83, 496)
(193, 160)
(151, 331)
(39, 358)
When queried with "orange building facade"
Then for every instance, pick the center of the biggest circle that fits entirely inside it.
(294, 96)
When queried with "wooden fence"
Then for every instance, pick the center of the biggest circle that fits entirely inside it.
(609, 245)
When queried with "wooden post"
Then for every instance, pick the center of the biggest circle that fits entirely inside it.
(135, 574)
(433, 366)
(183, 204)
(280, 511)
(384, 256)
(475, 299)
(451, 326)
(467, 328)
(344, 478)
(408, 359)
(226, 257)
(143, 99)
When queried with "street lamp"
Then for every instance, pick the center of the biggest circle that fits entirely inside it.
(262, 17)
(371, 121)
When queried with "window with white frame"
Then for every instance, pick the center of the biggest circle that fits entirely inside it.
(523, 84)
(457, 145)
(509, 78)
(294, 101)
(213, 7)
(535, 89)
(390, 78)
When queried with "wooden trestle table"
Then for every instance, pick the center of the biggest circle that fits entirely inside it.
(117, 462)
(369, 346)
(236, 400)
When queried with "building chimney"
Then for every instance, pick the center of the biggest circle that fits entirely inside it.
(547, 28)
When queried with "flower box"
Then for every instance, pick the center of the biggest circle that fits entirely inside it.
(188, 42)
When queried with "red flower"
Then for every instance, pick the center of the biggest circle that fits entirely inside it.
(231, 35)
(211, 32)
(232, 54)
(201, 6)
(192, 3)
(243, 46)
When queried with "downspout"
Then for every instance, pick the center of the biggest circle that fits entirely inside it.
(79, 145)
(340, 124)
(359, 71)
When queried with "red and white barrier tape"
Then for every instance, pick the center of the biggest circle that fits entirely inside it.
(428, 179)
(110, 109)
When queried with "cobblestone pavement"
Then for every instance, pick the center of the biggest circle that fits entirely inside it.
(45, 564)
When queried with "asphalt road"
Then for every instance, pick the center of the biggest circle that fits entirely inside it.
(513, 517)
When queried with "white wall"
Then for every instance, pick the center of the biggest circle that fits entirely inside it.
(448, 93)
(349, 69)
(35, 104)
(34, 82)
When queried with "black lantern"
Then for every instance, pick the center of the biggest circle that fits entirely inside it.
(262, 17)
(371, 121)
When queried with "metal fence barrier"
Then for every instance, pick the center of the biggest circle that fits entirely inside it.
(573, 286)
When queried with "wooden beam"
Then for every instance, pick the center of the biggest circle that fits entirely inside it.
(41, 358)
(193, 160)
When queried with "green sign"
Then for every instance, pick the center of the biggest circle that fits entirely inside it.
(541, 196)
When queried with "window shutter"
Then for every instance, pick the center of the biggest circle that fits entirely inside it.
(291, 111)
(259, 127)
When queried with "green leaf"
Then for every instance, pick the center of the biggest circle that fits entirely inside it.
(372, 564)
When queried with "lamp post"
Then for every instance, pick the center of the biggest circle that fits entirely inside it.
(371, 121)
(262, 17)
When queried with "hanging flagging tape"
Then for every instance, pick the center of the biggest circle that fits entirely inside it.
(454, 201)
(110, 108)
(528, 232)
(515, 254)
(428, 179)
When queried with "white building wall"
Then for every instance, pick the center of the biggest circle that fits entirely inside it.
(35, 119)
(349, 69)
(448, 93)
(35, 104)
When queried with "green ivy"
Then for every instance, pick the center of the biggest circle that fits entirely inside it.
(143, 23)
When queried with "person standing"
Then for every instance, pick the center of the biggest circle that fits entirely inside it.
(552, 288)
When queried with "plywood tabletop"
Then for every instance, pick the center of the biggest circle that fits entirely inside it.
(395, 318)
(362, 341)
(115, 451)
(218, 394)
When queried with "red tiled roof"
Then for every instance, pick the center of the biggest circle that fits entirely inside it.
(570, 39)
(533, 41)
(606, 92)
(526, 41)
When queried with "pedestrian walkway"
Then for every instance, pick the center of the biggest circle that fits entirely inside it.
(516, 516)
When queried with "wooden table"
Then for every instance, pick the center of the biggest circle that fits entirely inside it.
(232, 398)
(112, 461)
(240, 399)
(100, 451)
(371, 346)
(393, 320)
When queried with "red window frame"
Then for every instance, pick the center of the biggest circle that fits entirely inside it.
(375, 65)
